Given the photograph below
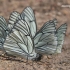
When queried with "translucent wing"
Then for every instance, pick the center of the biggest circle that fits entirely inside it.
(45, 40)
(3, 31)
(60, 33)
(28, 16)
(17, 44)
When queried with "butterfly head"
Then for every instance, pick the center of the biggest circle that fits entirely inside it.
(38, 57)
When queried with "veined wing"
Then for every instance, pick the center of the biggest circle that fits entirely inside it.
(45, 40)
(14, 17)
(46, 44)
(17, 44)
(15, 22)
(22, 26)
(3, 31)
(48, 27)
(3, 23)
(28, 16)
(60, 33)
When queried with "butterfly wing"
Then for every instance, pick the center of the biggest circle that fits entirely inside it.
(16, 22)
(48, 39)
(26, 27)
(13, 19)
(19, 43)
(3, 31)
(60, 33)
(28, 17)
(45, 40)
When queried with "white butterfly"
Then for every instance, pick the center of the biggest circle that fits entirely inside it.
(22, 39)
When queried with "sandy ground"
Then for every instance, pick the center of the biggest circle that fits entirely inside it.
(44, 11)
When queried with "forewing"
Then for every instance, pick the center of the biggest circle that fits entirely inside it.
(28, 16)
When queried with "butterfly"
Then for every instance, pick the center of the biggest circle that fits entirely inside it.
(20, 36)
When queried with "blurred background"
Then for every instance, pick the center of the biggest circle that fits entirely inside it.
(44, 10)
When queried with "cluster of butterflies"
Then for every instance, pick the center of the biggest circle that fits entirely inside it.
(20, 37)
